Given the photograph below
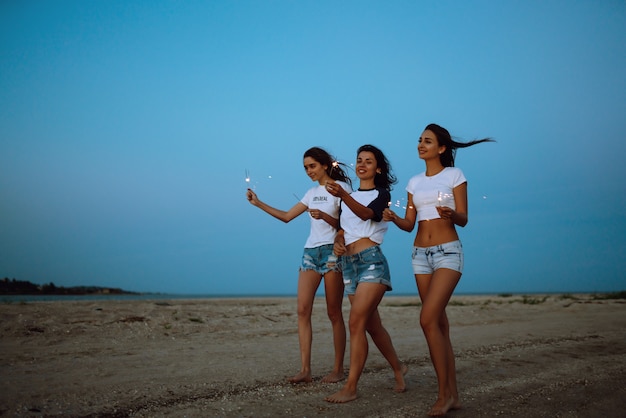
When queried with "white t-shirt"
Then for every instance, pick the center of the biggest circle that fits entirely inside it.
(318, 198)
(432, 191)
(356, 228)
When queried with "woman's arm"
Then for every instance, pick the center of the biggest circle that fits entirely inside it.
(359, 210)
(339, 247)
(458, 216)
(410, 215)
(318, 214)
(281, 215)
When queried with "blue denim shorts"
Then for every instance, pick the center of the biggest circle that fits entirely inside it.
(320, 259)
(426, 260)
(368, 266)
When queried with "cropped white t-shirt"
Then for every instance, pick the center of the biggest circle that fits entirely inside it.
(318, 198)
(432, 191)
(356, 228)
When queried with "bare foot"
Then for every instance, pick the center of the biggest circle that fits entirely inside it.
(343, 396)
(333, 377)
(400, 384)
(301, 377)
(456, 404)
(441, 407)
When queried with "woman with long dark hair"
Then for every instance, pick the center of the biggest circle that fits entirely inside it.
(437, 199)
(364, 266)
(318, 260)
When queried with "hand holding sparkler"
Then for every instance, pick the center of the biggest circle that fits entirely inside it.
(389, 215)
(316, 214)
(252, 197)
(335, 189)
(444, 200)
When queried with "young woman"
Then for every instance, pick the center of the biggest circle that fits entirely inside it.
(438, 201)
(318, 259)
(365, 270)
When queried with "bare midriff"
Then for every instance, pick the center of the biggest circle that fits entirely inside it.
(359, 245)
(434, 232)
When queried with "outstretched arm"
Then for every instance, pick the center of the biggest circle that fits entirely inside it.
(281, 215)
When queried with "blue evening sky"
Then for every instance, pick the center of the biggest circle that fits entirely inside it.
(127, 127)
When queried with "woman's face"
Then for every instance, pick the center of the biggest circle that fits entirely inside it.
(428, 146)
(314, 169)
(366, 165)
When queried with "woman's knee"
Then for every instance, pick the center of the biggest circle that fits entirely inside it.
(428, 322)
(304, 310)
(334, 314)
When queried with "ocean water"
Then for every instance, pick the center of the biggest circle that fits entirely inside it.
(166, 296)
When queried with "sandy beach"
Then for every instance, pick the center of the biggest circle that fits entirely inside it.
(522, 356)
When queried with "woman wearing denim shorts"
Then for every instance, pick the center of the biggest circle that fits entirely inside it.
(438, 201)
(365, 269)
(318, 259)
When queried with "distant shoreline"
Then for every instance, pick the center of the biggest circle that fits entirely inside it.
(26, 288)
(526, 297)
(12, 290)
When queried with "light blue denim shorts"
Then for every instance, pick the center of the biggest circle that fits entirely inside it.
(426, 260)
(320, 259)
(368, 266)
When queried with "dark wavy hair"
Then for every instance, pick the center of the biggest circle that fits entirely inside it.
(385, 179)
(445, 139)
(334, 168)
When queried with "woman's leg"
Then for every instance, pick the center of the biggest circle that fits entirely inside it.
(308, 282)
(382, 339)
(363, 304)
(435, 291)
(333, 288)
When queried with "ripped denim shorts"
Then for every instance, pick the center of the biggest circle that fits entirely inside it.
(368, 266)
(320, 259)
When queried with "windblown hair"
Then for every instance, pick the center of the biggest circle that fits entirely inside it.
(385, 179)
(333, 167)
(445, 139)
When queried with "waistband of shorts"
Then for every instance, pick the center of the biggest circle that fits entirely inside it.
(321, 246)
(439, 247)
(359, 255)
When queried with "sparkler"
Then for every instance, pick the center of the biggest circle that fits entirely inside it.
(249, 183)
(334, 165)
(445, 199)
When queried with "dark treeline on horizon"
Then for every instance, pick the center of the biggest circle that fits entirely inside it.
(22, 287)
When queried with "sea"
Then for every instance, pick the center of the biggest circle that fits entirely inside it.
(166, 296)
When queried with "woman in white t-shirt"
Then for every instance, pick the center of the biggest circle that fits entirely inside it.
(318, 259)
(437, 199)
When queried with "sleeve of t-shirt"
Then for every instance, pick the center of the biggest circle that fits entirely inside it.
(379, 204)
(459, 178)
(410, 185)
(306, 199)
(345, 186)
